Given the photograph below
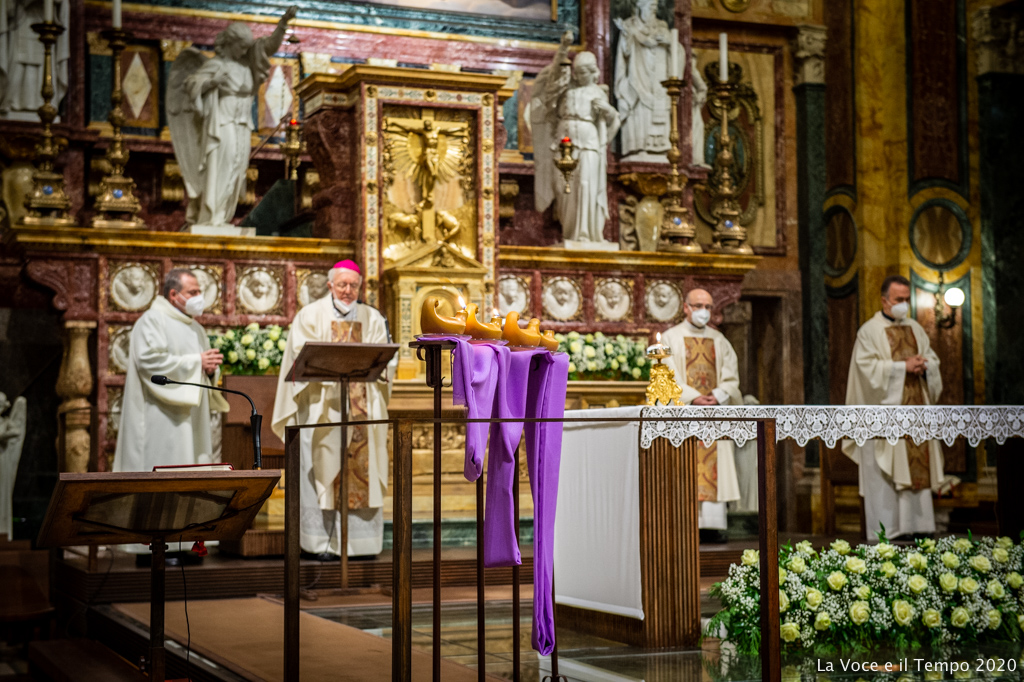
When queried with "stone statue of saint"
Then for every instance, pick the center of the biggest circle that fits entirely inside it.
(209, 113)
(12, 438)
(697, 102)
(642, 62)
(569, 103)
(21, 58)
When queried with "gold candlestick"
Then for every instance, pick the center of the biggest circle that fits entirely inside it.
(292, 149)
(728, 235)
(566, 162)
(48, 203)
(677, 232)
(117, 207)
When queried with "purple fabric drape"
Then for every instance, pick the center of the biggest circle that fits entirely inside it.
(492, 381)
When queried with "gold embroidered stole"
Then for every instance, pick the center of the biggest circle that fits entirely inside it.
(702, 375)
(358, 447)
(903, 345)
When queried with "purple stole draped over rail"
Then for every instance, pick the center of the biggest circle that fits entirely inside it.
(492, 381)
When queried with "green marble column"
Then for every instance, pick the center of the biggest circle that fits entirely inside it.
(1001, 173)
(810, 159)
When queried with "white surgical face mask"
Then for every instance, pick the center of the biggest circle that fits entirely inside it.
(195, 306)
(899, 311)
(701, 317)
(343, 307)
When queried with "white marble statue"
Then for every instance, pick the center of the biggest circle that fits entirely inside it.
(642, 62)
(21, 58)
(209, 112)
(698, 99)
(569, 102)
(12, 438)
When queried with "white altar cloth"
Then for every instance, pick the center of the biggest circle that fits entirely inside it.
(597, 526)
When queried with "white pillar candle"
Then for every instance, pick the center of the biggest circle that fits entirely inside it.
(674, 70)
(48, 11)
(115, 18)
(723, 57)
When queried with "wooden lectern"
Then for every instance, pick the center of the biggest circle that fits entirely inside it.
(154, 507)
(329, 362)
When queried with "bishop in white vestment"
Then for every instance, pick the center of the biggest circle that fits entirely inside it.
(893, 364)
(169, 425)
(337, 317)
(707, 370)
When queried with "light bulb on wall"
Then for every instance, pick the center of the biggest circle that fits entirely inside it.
(954, 297)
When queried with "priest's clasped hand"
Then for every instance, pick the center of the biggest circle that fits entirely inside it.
(916, 365)
(211, 360)
(708, 399)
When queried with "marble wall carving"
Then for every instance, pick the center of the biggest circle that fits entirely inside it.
(664, 301)
(118, 348)
(613, 299)
(562, 299)
(260, 291)
(114, 397)
(514, 295)
(133, 285)
(311, 285)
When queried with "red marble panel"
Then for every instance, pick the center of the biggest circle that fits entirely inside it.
(935, 112)
(840, 161)
(332, 137)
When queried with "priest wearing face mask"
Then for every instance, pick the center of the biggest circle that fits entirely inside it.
(337, 317)
(169, 425)
(894, 364)
(707, 370)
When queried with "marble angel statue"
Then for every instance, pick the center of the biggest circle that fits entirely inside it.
(21, 58)
(209, 112)
(569, 102)
(12, 438)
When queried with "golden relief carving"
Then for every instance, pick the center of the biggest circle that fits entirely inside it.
(427, 175)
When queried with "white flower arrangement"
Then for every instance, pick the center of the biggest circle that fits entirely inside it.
(251, 349)
(596, 356)
(939, 593)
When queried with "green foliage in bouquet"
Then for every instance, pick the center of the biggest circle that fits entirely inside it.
(599, 357)
(951, 592)
(251, 349)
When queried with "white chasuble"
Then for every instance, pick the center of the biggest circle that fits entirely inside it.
(705, 363)
(166, 425)
(301, 403)
(896, 481)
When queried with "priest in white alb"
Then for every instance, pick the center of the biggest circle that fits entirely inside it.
(707, 371)
(337, 317)
(169, 425)
(893, 364)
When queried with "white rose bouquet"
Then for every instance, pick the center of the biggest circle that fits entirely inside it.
(938, 593)
(251, 349)
(596, 356)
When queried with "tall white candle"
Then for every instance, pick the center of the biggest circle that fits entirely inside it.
(723, 57)
(115, 18)
(48, 11)
(673, 55)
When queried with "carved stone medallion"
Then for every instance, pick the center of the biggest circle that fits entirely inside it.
(513, 295)
(562, 299)
(117, 349)
(664, 301)
(311, 285)
(613, 299)
(133, 285)
(260, 291)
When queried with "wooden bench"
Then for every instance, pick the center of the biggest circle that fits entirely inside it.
(79, 660)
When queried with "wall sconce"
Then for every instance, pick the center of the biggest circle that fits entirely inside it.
(953, 297)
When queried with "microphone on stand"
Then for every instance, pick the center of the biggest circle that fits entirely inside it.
(256, 419)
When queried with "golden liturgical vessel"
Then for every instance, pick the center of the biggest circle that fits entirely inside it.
(480, 330)
(663, 387)
(521, 337)
(432, 323)
(548, 341)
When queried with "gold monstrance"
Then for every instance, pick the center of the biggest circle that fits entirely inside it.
(663, 387)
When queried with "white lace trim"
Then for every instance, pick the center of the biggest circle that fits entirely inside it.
(832, 423)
